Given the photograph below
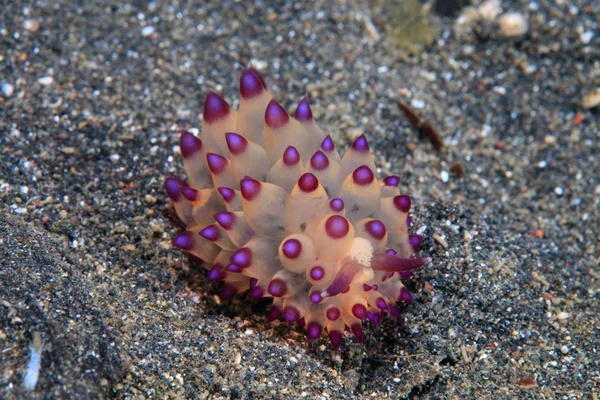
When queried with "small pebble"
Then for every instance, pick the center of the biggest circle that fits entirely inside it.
(564, 350)
(31, 25)
(591, 100)
(489, 10)
(513, 24)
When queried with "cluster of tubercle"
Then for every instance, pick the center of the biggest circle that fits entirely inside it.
(273, 209)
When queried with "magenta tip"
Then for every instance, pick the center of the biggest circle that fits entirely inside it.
(303, 111)
(275, 115)
(215, 108)
(189, 144)
(250, 188)
(236, 144)
(250, 84)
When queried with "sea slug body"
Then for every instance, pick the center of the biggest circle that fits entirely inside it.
(274, 210)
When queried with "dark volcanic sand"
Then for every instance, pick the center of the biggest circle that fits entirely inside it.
(510, 309)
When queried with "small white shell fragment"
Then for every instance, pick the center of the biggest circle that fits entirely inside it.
(445, 176)
(513, 24)
(33, 366)
(7, 89)
(45, 80)
(489, 10)
(148, 31)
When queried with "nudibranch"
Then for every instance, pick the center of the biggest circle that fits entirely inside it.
(273, 209)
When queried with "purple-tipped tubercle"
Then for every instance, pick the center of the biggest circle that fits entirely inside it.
(360, 144)
(359, 311)
(303, 112)
(391, 180)
(256, 293)
(327, 144)
(376, 229)
(274, 313)
(216, 273)
(405, 295)
(216, 163)
(275, 115)
(189, 144)
(242, 257)
(277, 288)
(211, 232)
(317, 273)
(319, 161)
(250, 188)
(315, 297)
(336, 204)
(250, 84)
(291, 314)
(291, 156)
(226, 219)
(335, 337)
(185, 241)
(314, 330)
(291, 248)
(227, 193)
(337, 226)
(308, 182)
(173, 188)
(234, 268)
(358, 332)
(190, 194)
(415, 241)
(363, 175)
(236, 144)
(333, 313)
(402, 203)
(215, 108)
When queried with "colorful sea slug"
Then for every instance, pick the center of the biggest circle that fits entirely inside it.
(273, 209)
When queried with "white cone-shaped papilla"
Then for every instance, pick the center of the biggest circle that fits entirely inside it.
(258, 258)
(333, 236)
(287, 170)
(194, 161)
(231, 198)
(264, 206)
(282, 131)
(217, 235)
(247, 158)
(389, 186)
(235, 226)
(253, 103)
(220, 170)
(360, 193)
(306, 205)
(183, 207)
(327, 171)
(327, 146)
(297, 253)
(206, 203)
(286, 284)
(358, 154)
(218, 118)
(393, 212)
(304, 116)
(374, 231)
(194, 244)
